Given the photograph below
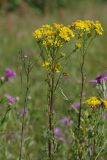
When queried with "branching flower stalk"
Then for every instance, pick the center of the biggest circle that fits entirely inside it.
(50, 38)
(52, 86)
(82, 83)
(83, 53)
(50, 80)
(26, 65)
(85, 32)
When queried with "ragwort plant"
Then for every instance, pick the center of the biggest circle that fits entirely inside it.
(50, 39)
(85, 32)
(83, 135)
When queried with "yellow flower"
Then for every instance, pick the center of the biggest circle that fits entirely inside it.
(98, 28)
(58, 26)
(77, 45)
(105, 103)
(48, 42)
(52, 42)
(37, 34)
(46, 26)
(81, 25)
(65, 74)
(87, 26)
(93, 101)
(65, 33)
(57, 35)
(58, 67)
(53, 35)
(46, 64)
(57, 43)
(49, 33)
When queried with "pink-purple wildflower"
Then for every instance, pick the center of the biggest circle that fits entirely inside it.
(57, 132)
(11, 99)
(59, 135)
(62, 139)
(65, 120)
(23, 111)
(9, 73)
(99, 79)
(76, 105)
(104, 116)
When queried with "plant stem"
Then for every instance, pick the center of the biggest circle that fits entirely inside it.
(83, 52)
(50, 108)
(50, 112)
(23, 124)
(82, 86)
(27, 72)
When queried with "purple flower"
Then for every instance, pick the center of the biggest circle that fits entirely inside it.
(57, 132)
(66, 78)
(76, 105)
(23, 111)
(93, 82)
(11, 99)
(65, 120)
(58, 135)
(62, 139)
(9, 73)
(99, 79)
(104, 115)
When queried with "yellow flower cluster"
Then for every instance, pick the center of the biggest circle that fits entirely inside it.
(87, 26)
(93, 101)
(53, 35)
(56, 35)
(64, 32)
(98, 28)
(57, 66)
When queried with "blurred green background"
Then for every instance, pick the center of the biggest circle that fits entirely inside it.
(18, 19)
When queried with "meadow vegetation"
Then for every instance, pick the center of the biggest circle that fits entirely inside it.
(16, 39)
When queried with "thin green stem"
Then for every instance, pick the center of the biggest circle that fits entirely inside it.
(83, 52)
(27, 66)
(82, 87)
(50, 106)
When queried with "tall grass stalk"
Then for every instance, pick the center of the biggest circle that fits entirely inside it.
(26, 66)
